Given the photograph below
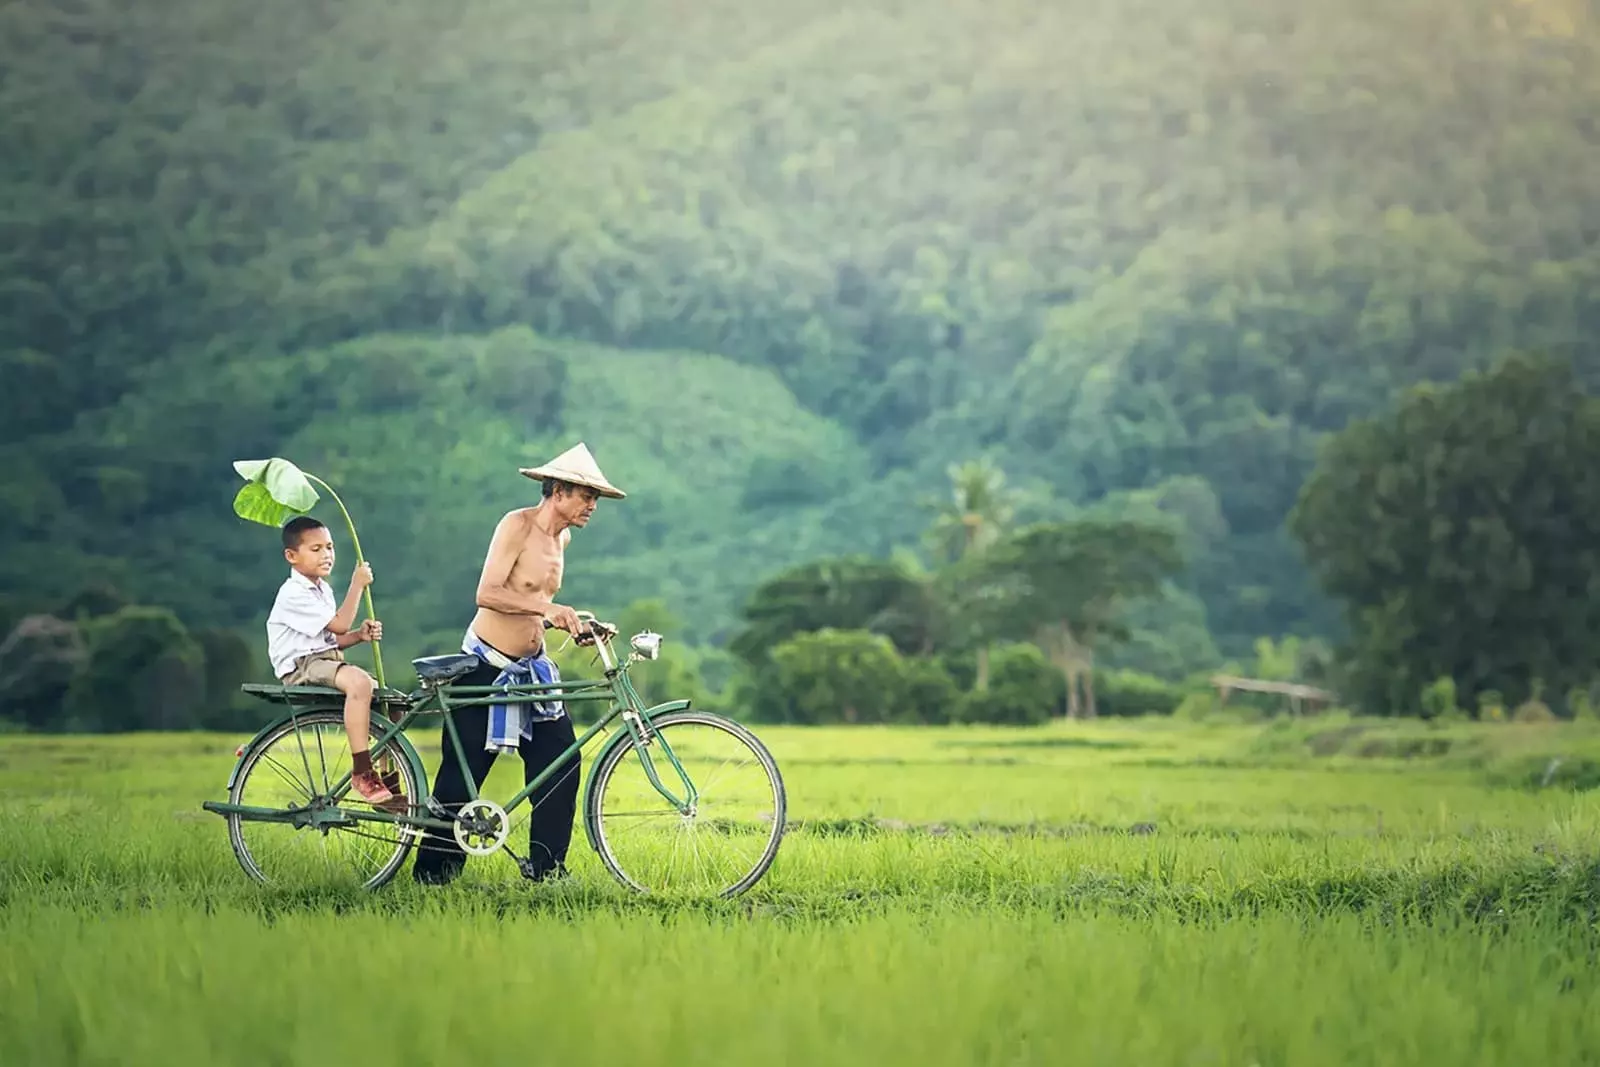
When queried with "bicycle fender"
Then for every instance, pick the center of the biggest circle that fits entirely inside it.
(409, 753)
(621, 737)
(244, 750)
(407, 750)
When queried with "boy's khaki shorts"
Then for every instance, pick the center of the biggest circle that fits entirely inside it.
(316, 669)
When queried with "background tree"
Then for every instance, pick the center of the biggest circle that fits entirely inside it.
(843, 593)
(1462, 533)
(977, 513)
(1027, 689)
(1066, 585)
(832, 676)
(141, 670)
(38, 660)
(228, 660)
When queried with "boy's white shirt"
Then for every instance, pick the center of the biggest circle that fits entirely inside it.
(298, 623)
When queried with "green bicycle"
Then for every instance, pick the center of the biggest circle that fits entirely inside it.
(678, 801)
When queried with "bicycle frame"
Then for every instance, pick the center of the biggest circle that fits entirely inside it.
(617, 689)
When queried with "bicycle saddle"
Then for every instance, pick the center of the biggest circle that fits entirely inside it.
(444, 668)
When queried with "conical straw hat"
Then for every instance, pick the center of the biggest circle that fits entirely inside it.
(577, 466)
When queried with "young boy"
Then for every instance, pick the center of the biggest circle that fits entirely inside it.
(306, 631)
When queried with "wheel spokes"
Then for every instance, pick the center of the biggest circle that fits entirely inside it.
(294, 771)
(715, 845)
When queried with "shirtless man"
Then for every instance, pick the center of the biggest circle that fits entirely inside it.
(516, 604)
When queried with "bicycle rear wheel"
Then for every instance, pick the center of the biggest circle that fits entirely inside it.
(723, 842)
(294, 767)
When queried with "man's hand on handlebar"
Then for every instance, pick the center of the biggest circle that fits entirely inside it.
(593, 628)
(562, 617)
(596, 629)
(582, 625)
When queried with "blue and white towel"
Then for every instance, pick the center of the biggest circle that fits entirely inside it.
(509, 723)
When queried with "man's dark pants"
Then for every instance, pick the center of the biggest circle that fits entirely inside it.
(439, 858)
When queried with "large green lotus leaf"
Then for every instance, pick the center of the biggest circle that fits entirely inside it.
(274, 491)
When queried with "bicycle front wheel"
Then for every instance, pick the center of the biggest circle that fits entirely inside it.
(721, 828)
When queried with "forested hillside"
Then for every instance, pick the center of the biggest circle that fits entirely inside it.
(780, 264)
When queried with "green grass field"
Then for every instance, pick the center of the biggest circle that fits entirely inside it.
(1141, 893)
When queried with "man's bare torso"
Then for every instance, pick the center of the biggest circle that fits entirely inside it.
(536, 572)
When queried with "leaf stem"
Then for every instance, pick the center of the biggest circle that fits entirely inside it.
(366, 594)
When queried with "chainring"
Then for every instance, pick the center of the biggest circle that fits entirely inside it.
(481, 827)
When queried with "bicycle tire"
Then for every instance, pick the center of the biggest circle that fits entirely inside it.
(595, 818)
(241, 851)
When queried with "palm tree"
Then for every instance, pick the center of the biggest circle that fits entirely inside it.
(979, 509)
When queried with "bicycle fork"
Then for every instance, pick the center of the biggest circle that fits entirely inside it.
(644, 737)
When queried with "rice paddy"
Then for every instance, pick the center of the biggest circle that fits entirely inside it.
(1154, 892)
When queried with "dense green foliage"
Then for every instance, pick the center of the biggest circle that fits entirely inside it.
(99, 664)
(851, 639)
(1463, 533)
(778, 264)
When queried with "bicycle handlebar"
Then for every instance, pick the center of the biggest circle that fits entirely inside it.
(596, 628)
(587, 617)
